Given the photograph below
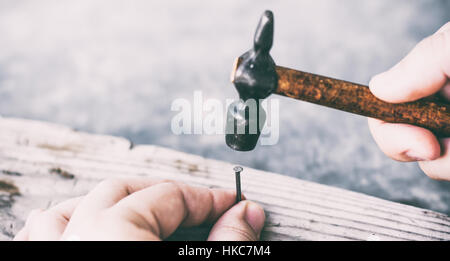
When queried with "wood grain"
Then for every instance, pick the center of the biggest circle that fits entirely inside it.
(431, 114)
(42, 164)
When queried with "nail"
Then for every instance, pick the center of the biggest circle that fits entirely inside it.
(237, 172)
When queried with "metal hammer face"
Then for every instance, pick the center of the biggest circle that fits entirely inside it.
(255, 78)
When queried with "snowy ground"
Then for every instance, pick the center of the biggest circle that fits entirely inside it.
(114, 66)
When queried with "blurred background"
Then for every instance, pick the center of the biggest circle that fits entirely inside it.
(115, 66)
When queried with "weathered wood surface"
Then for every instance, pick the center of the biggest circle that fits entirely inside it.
(43, 163)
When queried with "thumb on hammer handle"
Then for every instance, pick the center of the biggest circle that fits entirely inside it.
(355, 98)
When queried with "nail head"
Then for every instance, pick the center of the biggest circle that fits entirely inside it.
(238, 169)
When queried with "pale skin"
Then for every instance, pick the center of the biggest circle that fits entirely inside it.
(423, 72)
(145, 209)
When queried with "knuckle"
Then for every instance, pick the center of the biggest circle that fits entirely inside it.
(176, 194)
(173, 187)
(112, 182)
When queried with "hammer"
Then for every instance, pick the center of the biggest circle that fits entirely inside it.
(256, 76)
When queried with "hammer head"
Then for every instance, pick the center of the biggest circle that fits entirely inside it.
(255, 78)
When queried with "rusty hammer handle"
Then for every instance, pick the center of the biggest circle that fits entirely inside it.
(355, 98)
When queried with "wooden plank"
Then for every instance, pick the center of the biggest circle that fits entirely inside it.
(43, 163)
